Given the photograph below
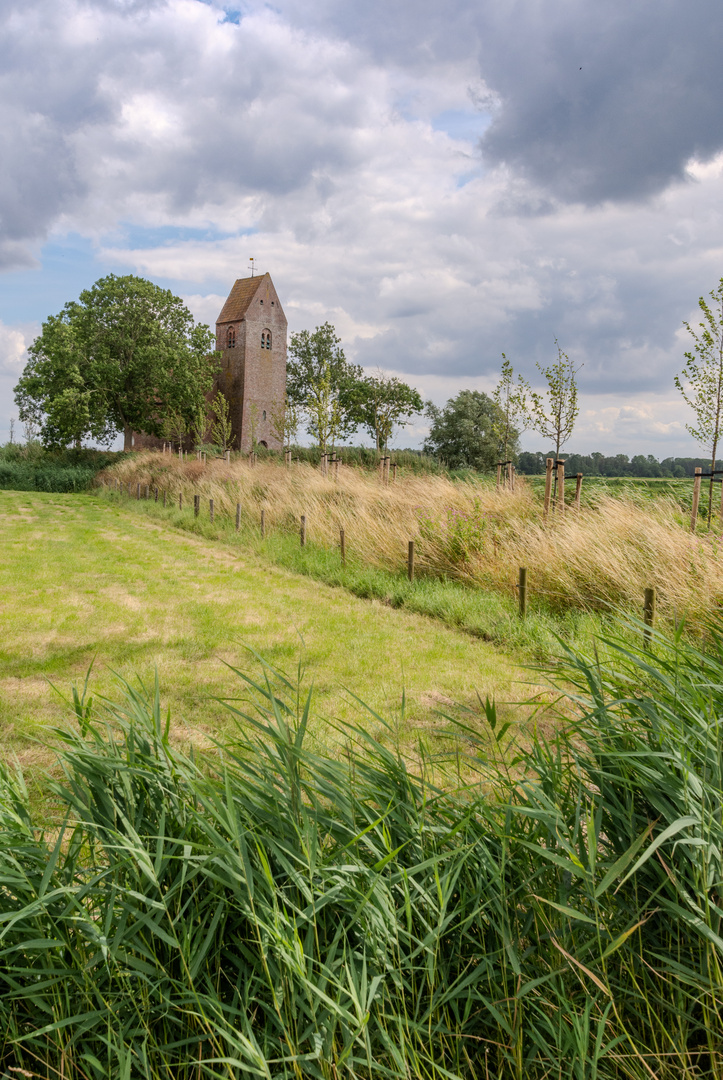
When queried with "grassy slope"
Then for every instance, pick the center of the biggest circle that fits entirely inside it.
(83, 577)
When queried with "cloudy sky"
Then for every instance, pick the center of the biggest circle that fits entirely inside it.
(443, 182)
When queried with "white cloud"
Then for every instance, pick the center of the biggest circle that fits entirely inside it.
(13, 348)
(343, 155)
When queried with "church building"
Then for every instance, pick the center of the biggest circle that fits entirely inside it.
(251, 337)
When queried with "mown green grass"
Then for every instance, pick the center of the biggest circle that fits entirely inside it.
(486, 614)
(85, 579)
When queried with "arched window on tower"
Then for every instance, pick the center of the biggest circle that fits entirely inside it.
(265, 339)
(231, 338)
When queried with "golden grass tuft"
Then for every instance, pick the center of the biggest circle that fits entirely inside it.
(604, 557)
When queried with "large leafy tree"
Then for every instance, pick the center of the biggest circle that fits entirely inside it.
(126, 356)
(383, 402)
(323, 384)
(467, 431)
(701, 381)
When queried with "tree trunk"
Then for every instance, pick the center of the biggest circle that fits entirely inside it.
(127, 437)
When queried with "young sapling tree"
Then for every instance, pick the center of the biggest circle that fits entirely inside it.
(553, 414)
(701, 380)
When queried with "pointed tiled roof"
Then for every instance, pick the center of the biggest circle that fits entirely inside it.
(239, 299)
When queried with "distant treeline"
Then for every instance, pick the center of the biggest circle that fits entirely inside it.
(618, 465)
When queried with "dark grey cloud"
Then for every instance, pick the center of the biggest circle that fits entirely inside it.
(607, 100)
(596, 101)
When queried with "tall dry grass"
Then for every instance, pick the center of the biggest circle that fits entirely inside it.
(604, 557)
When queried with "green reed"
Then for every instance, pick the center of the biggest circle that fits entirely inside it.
(269, 911)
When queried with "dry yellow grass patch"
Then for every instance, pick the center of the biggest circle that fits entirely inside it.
(605, 556)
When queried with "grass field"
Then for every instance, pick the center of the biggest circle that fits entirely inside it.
(85, 579)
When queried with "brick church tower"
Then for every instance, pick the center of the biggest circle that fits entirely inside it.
(251, 337)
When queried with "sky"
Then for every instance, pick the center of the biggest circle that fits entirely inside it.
(443, 183)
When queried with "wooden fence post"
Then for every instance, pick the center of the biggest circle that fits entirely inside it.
(148, 491)
(499, 474)
(196, 505)
(164, 498)
(238, 516)
(394, 471)
(548, 486)
(696, 499)
(156, 496)
(263, 523)
(410, 561)
(508, 483)
(180, 500)
(210, 509)
(522, 591)
(561, 488)
(512, 474)
(648, 616)
(302, 532)
(342, 546)
(578, 490)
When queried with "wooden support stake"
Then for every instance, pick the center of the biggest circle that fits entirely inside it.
(578, 490)
(548, 486)
(696, 499)
(164, 498)
(238, 516)
(228, 457)
(196, 505)
(180, 501)
(499, 476)
(210, 509)
(138, 491)
(394, 471)
(287, 458)
(648, 616)
(342, 546)
(302, 532)
(509, 475)
(513, 476)
(522, 591)
(263, 523)
(410, 561)
(561, 488)
(156, 495)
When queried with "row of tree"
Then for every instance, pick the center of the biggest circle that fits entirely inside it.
(597, 464)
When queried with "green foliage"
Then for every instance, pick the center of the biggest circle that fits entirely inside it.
(221, 426)
(467, 431)
(284, 420)
(275, 911)
(382, 403)
(125, 356)
(512, 402)
(322, 383)
(701, 381)
(28, 467)
(554, 418)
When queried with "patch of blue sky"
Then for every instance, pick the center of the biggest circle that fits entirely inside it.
(71, 263)
(466, 124)
(65, 267)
